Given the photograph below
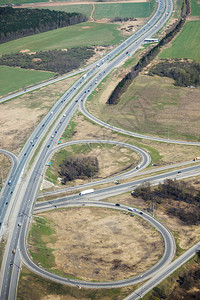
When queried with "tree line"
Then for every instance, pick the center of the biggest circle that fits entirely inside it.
(179, 199)
(78, 168)
(148, 57)
(183, 72)
(57, 61)
(20, 22)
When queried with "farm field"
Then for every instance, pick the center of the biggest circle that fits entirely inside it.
(195, 8)
(109, 10)
(185, 45)
(13, 79)
(131, 10)
(151, 105)
(85, 9)
(84, 34)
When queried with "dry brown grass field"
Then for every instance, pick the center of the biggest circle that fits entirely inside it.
(102, 244)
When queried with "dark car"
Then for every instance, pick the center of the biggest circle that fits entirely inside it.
(117, 204)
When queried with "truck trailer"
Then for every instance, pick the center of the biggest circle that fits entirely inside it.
(86, 192)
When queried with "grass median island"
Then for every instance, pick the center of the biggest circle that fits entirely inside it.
(111, 160)
(41, 233)
(120, 245)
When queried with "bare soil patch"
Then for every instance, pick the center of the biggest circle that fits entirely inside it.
(129, 27)
(20, 116)
(100, 244)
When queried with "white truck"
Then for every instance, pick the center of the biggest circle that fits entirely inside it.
(86, 192)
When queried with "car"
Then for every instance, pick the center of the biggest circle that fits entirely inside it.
(19, 224)
(48, 146)
(179, 172)
(129, 209)
(6, 203)
(117, 204)
(141, 213)
(64, 115)
(13, 251)
(52, 136)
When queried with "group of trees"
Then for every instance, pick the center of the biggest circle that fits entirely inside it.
(178, 198)
(186, 287)
(148, 57)
(19, 22)
(78, 168)
(53, 60)
(183, 72)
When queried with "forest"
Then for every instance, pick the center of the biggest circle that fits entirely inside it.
(178, 198)
(183, 72)
(78, 168)
(20, 22)
(58, 61)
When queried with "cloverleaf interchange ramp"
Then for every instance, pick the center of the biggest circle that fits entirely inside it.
(24, 192)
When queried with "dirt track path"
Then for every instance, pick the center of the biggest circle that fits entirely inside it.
(92, 12)
(39, 4)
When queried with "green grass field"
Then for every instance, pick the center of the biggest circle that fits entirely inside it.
(111, 10)
(131, 10)
(84, 34)
(186, 43)
(195, 8)
(15, 78)
(84, 9)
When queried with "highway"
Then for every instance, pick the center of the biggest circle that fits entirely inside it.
(22, 192)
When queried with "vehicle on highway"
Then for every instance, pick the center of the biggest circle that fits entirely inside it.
(9, 182)
(85, 192)
(117, 204)
(13, 251)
